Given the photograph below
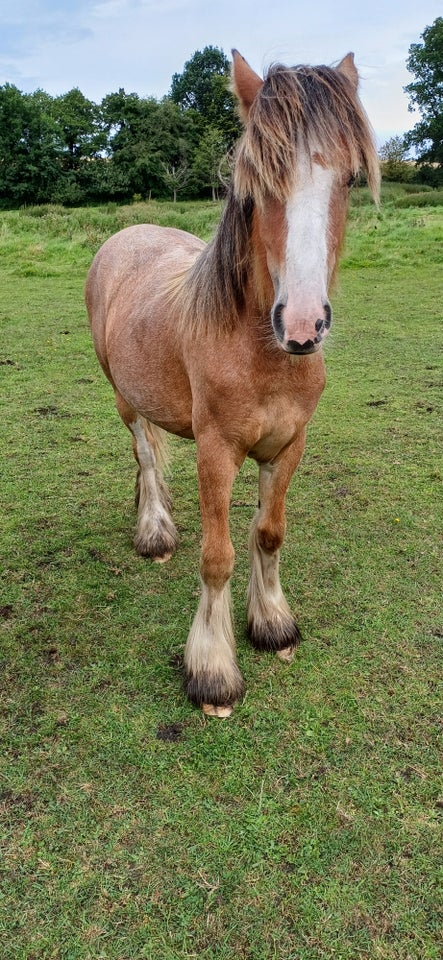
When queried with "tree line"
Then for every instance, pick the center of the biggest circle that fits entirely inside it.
(70, 150)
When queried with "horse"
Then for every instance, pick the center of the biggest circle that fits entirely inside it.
(222, 344)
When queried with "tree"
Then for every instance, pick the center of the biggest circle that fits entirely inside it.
(175, 177)
(425, 61)
(144, 138)
(203, 87)
(209, 159)
(81, 130)
(30, 148)
(393, 160)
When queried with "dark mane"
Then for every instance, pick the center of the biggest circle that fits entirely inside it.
(314, 109)
(214, 287)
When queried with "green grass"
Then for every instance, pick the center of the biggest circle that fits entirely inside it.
(309, 825)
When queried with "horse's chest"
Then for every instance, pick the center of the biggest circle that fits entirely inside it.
(281, 420)
(292, 391)
(287, 403)
(260, 402)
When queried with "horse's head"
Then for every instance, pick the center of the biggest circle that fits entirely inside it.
(306, 138)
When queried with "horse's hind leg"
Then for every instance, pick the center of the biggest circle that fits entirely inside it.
(271, 625)
(155, 535)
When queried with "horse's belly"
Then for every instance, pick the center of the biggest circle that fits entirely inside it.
(156, 386)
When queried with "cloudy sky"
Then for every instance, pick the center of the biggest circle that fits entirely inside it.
(101, 45)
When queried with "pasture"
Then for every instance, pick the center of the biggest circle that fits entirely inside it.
(308, 825)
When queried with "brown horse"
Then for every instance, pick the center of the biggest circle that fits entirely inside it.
(222, 343)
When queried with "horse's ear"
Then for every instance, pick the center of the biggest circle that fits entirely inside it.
(348, 69)
(245, 83)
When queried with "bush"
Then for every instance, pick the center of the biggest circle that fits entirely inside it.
(433, 176)
(416, 187)
(397, 171)
(428, 198)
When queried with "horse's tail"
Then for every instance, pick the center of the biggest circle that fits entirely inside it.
(161, 445)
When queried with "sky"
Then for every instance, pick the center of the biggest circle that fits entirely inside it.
(102, 45)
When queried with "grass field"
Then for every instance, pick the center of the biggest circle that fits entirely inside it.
(308, 826)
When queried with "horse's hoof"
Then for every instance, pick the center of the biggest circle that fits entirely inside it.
(215, 694)
(275, 636)
(211, 710)
(158, 548)
(287, 654)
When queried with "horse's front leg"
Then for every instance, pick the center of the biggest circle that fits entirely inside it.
(213, 680)
(271, 625)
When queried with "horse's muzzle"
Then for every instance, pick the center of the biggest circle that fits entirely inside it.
(301, 348)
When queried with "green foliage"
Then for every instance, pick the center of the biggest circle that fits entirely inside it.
(81, 127)
(393, 161)
(430, 174)
(210, 163)
(144, 138)
(69, 150)
(433, 198)
(425, 61)
(30, 147)
(194, 88)
(203, 87)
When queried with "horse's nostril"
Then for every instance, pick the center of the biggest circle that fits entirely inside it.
(277, 320)
(323, 323)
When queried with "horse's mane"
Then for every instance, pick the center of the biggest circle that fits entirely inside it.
(314, 109)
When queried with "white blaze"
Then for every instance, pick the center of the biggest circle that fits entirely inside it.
(304, 287)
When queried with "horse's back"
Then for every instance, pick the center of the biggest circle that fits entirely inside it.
(128, 278)
(140, 253)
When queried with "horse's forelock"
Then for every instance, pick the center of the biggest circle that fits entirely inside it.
(309, 108)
